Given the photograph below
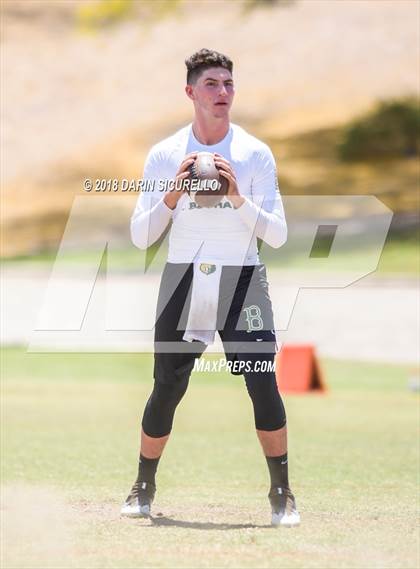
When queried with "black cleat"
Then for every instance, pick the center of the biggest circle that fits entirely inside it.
(139, 501)
(283, 507)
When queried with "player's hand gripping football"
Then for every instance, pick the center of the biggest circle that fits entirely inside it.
(171, 199)
(226, 170)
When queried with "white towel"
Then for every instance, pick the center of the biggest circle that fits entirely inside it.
(202, 317)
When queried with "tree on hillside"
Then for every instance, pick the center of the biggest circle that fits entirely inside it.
(391, 130)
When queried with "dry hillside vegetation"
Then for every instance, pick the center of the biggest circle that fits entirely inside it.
(78, 104)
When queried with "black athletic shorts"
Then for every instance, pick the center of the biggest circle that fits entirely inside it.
(244, 319)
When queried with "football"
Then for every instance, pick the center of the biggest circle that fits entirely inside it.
(207, 186)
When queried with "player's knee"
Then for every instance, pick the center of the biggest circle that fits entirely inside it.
(169, 394)
(269, 411)
(160, 408)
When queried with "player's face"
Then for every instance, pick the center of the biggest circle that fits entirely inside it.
(213, 92)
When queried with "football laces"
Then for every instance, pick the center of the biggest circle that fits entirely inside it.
(193, 170)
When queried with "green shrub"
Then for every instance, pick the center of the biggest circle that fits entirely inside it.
(392, 130)
(98, 14)
(249, 5)
(103, 13)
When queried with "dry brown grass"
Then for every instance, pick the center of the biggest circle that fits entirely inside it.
(79, 105)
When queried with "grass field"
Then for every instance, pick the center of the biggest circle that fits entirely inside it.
(70, 442)
(399, 256)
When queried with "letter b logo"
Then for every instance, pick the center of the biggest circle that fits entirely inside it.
(253, 318)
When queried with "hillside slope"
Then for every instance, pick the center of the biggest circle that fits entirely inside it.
(77, 105)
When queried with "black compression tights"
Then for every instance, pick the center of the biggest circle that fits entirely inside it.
(160, 408)
(269, 413)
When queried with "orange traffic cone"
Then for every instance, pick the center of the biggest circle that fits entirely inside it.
(298, 370)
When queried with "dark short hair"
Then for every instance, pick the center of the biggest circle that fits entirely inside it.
(204, 59)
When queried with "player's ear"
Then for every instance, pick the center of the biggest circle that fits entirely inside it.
(189, 91)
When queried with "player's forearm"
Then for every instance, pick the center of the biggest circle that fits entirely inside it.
(271, 227)
(147, 226)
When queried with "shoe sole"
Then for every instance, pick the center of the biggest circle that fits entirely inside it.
(285, 521)
(135, 512)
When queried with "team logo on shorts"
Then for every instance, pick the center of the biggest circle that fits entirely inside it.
(253, 318)
(207, 269)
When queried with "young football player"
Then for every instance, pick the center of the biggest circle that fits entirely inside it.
(213, 280)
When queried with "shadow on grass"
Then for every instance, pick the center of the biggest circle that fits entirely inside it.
(170, 522)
